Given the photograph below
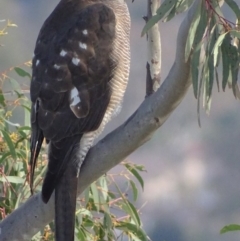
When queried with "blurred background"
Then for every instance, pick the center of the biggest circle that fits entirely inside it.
(192, 181)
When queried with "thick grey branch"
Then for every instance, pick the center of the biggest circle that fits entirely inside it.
(33, 215)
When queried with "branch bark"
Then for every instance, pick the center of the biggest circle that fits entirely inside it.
(33, 215)
(154, 51)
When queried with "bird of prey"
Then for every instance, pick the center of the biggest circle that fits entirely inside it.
(80, 73)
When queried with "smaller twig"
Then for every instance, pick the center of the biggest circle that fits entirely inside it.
(154, 51)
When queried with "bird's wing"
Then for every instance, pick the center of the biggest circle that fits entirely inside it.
(70, 87)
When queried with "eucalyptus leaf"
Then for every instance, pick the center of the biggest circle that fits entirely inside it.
(233, 5)
(95, 195)
(21, 72)
(134, 190)
(230, 228)
(161, 12)
(130, 227)
(136, 174)
(12, 179)
(191, 34)
(225, 63)
(10, 144)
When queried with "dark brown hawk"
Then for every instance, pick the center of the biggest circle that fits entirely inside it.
(80, 72)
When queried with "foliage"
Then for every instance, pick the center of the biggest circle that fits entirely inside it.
(230, 227)
(104, 211)
(212, 45)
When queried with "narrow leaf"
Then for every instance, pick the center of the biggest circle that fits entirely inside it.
(225, 63)
(235, 33)
(150, 24)
(136, 174)
(12, 179)
(230, 227)
(232, 4)
(191, 34)
(95, 195)
(104, 187)
(9, 143)
(2, 99)
(134, 190)
(184, 5)
(216, 47)
(21, 72)
(130, 227)
(165, 7)
(162, 10)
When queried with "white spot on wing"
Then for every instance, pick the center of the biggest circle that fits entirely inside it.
(82, 45)
(63, 53)
(75, 61)
(73, 93)
(74, 96)
(85, 32)
(56, 66)
(37, 62)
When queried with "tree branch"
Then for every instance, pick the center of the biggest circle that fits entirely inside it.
(33, 215)
(154, 51)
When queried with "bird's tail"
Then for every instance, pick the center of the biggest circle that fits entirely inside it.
(62, 176)
(65, 205)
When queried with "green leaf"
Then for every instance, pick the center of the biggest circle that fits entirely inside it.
(131, 211)
(12, 179)
(179, 7)
(95, 195)
(107, 221)
(230, 227)
(21, 72)
(15, 86)
(136, 174)
(84, 211)
(86, 194)
(232, 4)
(9, 143)
(140, 167)
(235, 33)
(81, 234)
(184, 5)
(217, 46)
(130, 227)
(134, 189)
(24, 128)
(172, 13)
(165, 7)
(210, 63)
(161, 12)
(234, 63)
(192, 33)
(2, 99)
(195, 71)
(4, 156)
(150, 24)
(225, 63)
(104, 187)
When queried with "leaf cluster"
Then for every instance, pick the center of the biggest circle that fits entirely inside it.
(212, 47)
